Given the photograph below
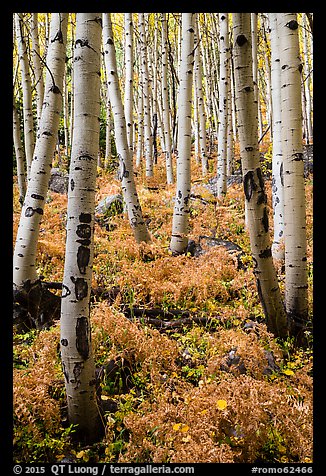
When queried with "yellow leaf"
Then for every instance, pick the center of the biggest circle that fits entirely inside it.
(288, 372)
(104, 397)
(184, 428)
(180, 427)
(186, 439)
(221, 404)
(80, 454)
(59, 457)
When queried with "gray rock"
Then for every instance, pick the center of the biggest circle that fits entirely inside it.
(196, 249)
(59, 181)
(110, 206)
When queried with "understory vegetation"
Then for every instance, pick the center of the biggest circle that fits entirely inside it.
(211, 385)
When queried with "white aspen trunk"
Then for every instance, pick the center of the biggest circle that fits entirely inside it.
(179, 238)
(254, 20)
(253, 182)
(75, 338)
(196, 126)
(230, 137)
(19, 153)
(165, 103)
(198, 77)
(307, 80)
(108, 129)
(128, 101)
(28, 121)
(140, 135)
(277, 158)
(33, 207)
(148, 137)
(223, 104)
(38, 70)
(126, 172)
(152, 63)
(296, 293)
(71, 129)
(66, 114)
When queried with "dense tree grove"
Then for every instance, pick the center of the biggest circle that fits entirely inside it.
(170, 157)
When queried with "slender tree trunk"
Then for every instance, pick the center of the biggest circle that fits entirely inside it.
(27, 92)
(255, 195)
(128, 103)
(75, 339)
(66, 114)
(277, 159)
(38, 70)
(296, 293)
(32, 211)
(148, 137)
(307, 81)
(19, 153)
(108, 128)
(179, 238)
(165, 103)
(254, 21)
(126, 167)
(223, 104)
(140, 135)
(201, 108)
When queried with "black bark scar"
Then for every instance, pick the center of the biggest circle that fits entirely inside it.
(82, 344)
(83, 256)
(81, 287)
(249, 184)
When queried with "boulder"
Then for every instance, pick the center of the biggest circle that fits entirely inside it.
(59, 181)
(110, 206)
(196, 249)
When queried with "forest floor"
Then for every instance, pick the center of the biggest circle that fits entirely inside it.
(209, 385)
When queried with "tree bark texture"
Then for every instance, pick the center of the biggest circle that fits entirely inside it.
(277, 159)
(128, 102)
(165, 103)
(296, 288)
(126, 173)
(223, 104)
(28, 121)
(179, 238)
(253, 182)
(75, 339)
(33, 207)
(148, 136)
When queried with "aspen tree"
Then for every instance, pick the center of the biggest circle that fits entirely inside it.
(255, 196)
(19, 153)
(65, 116)
(230, 136)
(148, 136)
(179, 238)
(277, 158)
(140, 129)
(198, 78)
(165, 103)
(75, 338)
(296, 293)
(128, 100)
(28, 120)
(254, 40)
(108, 129)
(223, 104)
(38, 70)
(126, 172)
(33, 207)
(307, 80)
